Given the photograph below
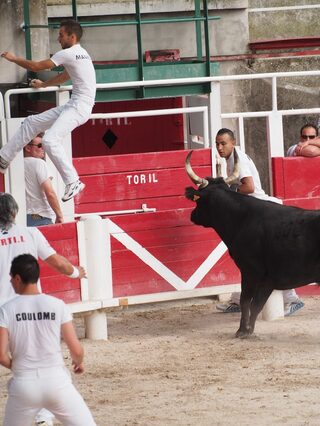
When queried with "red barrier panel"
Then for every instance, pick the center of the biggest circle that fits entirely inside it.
(296, 182)
(63, 238)
(1, 182)
(175, 243)
(127, 181)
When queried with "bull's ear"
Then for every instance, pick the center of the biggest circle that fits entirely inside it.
(192, 194)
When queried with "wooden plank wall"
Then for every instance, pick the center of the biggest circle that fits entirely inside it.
(63, 238)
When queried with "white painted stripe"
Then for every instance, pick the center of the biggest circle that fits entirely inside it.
(205, 267)
(279, 8)
(159, 267)
(146, 257)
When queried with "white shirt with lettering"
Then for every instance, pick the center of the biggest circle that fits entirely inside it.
(34, 326)
(19, 240)
(76, 60)
(36, 173)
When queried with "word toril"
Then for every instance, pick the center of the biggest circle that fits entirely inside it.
(141, 179)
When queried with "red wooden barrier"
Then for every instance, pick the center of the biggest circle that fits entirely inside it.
(63, 239)
(127, 181)
(296, 182)
(1, 182)
(171, 238)
(167, 236)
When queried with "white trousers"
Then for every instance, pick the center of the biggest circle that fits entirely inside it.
(289, 296)
(50, 388)
(57, 122)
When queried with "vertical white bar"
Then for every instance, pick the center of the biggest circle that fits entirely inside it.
(242, 141)
(215, 110)
(14, 177)
(97, 248)
(275, 141)
(205, 129)
(82, 259)
(274, 94)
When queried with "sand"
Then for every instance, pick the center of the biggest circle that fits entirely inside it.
(178, 363)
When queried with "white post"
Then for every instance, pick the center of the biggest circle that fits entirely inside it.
(97, 241)
(273, 309)
(14, 177)
(275, 140)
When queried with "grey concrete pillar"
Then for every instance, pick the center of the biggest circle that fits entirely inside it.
(13, 38)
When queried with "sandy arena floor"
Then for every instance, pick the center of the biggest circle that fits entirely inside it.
(179, 364)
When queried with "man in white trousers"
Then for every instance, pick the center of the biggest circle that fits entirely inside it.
(249, 183)
(31, 327)
(58, 122)
(17, 239)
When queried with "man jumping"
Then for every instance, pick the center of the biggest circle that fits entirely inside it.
(58, 122)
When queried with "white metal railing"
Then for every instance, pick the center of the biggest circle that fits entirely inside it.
(212, 114)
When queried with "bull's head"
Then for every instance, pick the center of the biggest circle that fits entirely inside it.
(202, 183)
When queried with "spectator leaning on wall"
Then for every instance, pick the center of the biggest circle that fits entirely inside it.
(309, 144)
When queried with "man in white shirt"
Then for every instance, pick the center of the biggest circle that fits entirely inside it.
(60, 121)
(17, 239)
(41, 200)
(309, 144)
(249, 184)
(31, 327)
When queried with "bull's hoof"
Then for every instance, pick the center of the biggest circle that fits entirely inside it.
(243, 334)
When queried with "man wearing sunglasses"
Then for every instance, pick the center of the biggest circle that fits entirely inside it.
(309, 144)
(41, 200)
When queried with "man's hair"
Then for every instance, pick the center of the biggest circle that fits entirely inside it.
(309, 125)
(8, 210)
(27, 267)
(72, 27)
(223, 131)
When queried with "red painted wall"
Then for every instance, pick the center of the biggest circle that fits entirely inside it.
(63, 238)
(133, 135)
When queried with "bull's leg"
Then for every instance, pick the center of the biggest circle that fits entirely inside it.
(245, 300)
(257, 303)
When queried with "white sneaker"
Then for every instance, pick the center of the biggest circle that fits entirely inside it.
(3, 165)
(72, 189)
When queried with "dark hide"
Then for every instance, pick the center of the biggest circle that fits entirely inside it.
(274, 246)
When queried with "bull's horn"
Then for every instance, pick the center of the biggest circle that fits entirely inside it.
(195, 179)
(236, 170)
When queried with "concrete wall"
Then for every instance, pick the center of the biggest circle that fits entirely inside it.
(279, 19)
(229, 35)
(13, 37)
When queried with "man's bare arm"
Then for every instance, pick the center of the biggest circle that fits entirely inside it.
(62, 265)
(30, 65)
(54, 81)
(52, 198)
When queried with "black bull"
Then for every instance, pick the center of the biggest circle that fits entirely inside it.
(274, 246)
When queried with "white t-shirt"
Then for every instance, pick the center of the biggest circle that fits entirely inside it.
(291, 151)
(247, 168)
(34, 326)
(19, 240)
(79, 66)
(36, 173)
